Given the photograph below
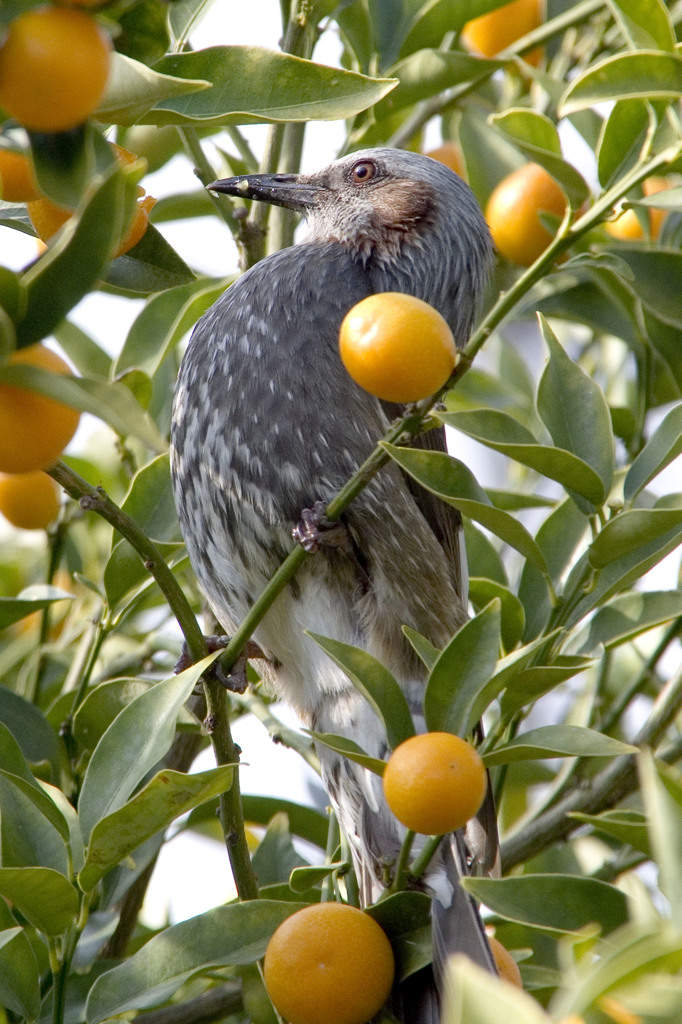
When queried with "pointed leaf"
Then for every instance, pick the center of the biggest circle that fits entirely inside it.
(29, 787)
(19, 977)
(452, 481)
(375, 683)
(574, 410)
(559, 903)
(27, 837)
(144, 730)
(423, 647)
(348, 748)
(160, 802)
(664, 445)
(458, 690)
(622, 139)
(655, 273)
(234, 934)
(502, 433)
(482, 592)
(133, 89)
(627, 617)
(533, 681)
(630, 530)
(536, 135)
(164, 320)
(645, 23)
(45, 897)
(305, 822)
(557, 741)
(645, 75)
(30, 728)
(626, 826)
(428, 72)
(257, 86)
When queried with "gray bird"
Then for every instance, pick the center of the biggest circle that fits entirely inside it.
(267, 422)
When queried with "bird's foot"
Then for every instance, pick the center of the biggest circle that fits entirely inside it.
(234, 680)
(315, 531)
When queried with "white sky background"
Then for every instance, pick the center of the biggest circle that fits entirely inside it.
(193, 873)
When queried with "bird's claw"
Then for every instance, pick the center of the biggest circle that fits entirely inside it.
(315, 531)
(235, 680)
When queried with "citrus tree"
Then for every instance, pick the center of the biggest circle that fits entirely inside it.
(572, 378)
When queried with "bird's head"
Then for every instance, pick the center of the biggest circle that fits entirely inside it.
(411, 218)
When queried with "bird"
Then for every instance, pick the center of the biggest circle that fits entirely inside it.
(267, 423)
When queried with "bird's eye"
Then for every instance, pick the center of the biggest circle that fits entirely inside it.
(362, 171)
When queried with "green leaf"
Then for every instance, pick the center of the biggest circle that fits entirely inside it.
(63, 275)
(575, 411)
(304, 821)
(532, 681)
(537, 136)
(630, 530)
(423, 647)
(234, 934)
(454, 482)
(350, 749)
(45, 897)
(32, 791)
(662, 797)
(558, 538)
(406, 919)
(627, 617)
(643, 75)
(27, 837)
(165, 319)
(149, 501)
(276, 856)
(655, 273)
(144, 730)
(251, 85)
(13, 609)
(482, 592)
(375, 683)
(30, 728)
(152, 265)
(628, 827)
(459, 690)
(19, 977)
(557, 902)
(502, 433)
(304, 878)
(111, 402)
(427, 72)
(133, 89)
(557, 741)
(664, 445)
(105, 701)
(622, 139)
(126, 576)
(473, 994)
(163, 799)
(645, 23)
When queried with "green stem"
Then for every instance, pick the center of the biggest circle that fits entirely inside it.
(206, 174)
(95, 499)
(402, 871)
(425, 856)
(333, 839)
(231, 812)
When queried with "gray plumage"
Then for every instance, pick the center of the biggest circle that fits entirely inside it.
(266, 422)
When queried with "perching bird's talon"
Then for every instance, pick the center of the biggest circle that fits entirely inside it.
(235, 680)
(315, 531)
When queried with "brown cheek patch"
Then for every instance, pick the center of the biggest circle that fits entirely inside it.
(400, 206)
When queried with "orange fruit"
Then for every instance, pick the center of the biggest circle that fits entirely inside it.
(29, 500)
(513, 211)
(139, 225)
(397, 347)
(448, 153)
(34, 429)
(54, 65)
(628, 227)
(47, 217)
(328, 964)
(17, 181)
(498, 29)
(507, 966)
(434, 782)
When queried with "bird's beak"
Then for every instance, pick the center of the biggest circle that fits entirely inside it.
(289, 190)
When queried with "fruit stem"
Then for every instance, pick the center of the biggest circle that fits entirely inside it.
(402, 872)
(425, 856)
